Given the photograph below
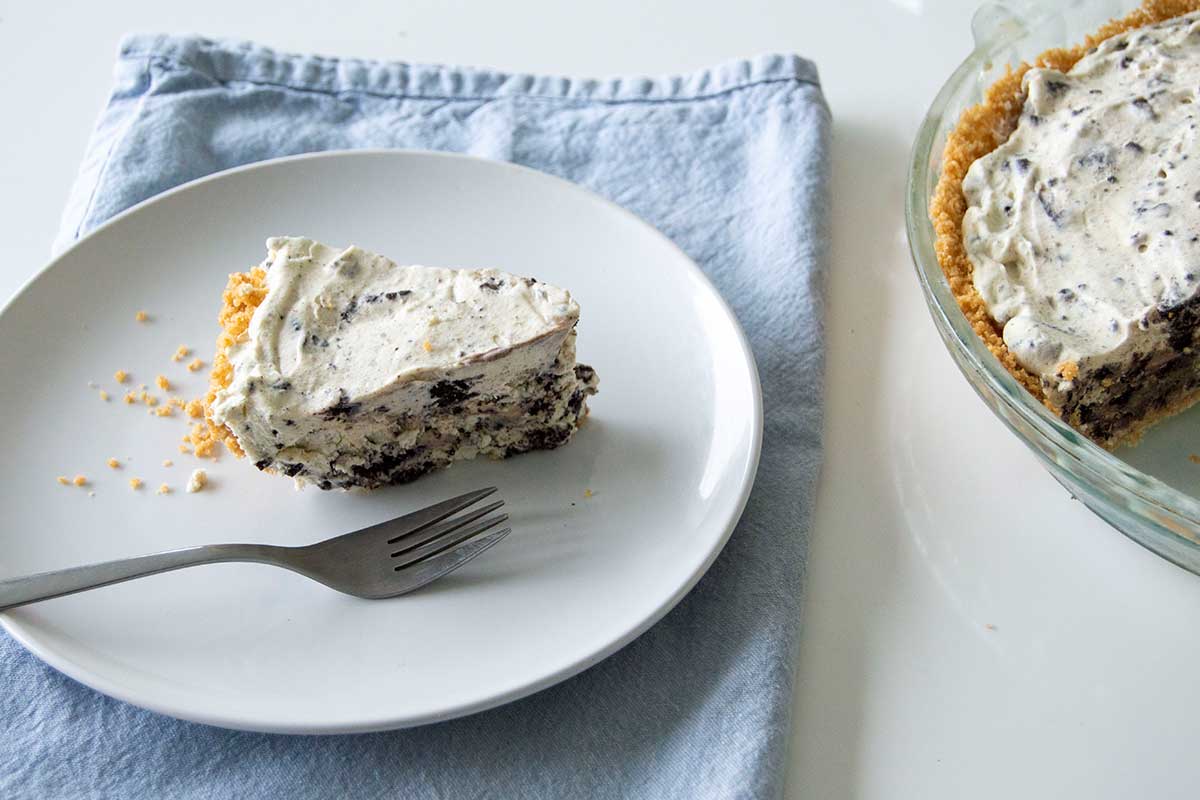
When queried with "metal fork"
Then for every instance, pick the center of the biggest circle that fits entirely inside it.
(384, 560)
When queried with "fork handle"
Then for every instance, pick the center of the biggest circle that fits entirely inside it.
(45, 585)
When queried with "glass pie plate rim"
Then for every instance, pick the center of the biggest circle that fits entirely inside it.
(1160, 517)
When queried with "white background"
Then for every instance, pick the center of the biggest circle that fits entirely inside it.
(969, 629)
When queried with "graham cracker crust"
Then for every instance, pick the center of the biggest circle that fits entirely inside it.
(243, 294)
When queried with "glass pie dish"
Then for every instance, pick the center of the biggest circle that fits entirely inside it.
(1148, 492)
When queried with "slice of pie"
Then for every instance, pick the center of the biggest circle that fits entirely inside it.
(340, 368)
(1068, 223)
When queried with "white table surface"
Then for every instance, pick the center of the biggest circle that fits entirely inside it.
(969, 629)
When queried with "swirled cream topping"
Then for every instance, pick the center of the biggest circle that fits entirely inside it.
(1087, 220)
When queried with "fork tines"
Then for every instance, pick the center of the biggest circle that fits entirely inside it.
(435, 529)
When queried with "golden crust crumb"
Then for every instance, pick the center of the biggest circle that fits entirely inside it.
(135, 483)
(104, 395)
(427, 346)
(162, 383)
(195, 365)
(164, 489)
(130, 398)
(80, 480)
(168, 462)
(181, 352)
(164, 411)
(203, 439)
(64, 480)
(1068, 370)
(120, 376)
(183, 448)
(194, 408)
(112, 462)
(141, 316)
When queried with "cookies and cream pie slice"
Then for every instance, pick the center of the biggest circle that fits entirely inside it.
(340, 368)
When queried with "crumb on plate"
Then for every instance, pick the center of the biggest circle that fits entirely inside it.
(164, 489)
(195, 364)
(203, 440)
(135, 483)
(162, 383)
(141, 316)
(120, 376)
(427, 346)
(80, 480)
(64, 480)
(112, 462)
(197, 481)
(104, 395)
(168, 462)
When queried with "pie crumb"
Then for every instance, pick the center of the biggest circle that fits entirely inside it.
(164, 489)
(64, 480)
(80, 480)
(1195, 459)
(195, 364)
(162, 383)
(203, 440)
(112, 462)
(427, 346)
(168, 462)
(141, 316)
(135, 483)
(120, 376)
(104, 395)
(130, 398)
(198, 480)
(195, 408)
(182, 352)
(1069, 370)
(587, 492)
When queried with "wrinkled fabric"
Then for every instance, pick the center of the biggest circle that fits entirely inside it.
(732, 164)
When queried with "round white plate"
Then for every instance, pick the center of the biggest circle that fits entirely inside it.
(609, 532)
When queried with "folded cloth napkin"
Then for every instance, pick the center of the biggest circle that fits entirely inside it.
(732, 164)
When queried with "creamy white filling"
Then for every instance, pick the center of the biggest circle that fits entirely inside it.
(1087, 219)
(346, 343)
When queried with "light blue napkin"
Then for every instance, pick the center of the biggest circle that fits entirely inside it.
(731, 163)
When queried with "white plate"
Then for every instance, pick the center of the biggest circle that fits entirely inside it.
(668, 456)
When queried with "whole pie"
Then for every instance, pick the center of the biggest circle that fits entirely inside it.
(1068, 222)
